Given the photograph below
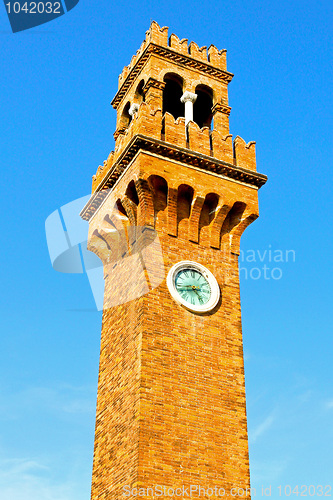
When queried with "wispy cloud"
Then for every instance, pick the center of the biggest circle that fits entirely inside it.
(63, 399)
(265, 473)
(305, 397)
(261, 428)
(49, 426)
(247, 356)
(26, 479)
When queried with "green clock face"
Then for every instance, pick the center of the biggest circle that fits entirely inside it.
(193, 287)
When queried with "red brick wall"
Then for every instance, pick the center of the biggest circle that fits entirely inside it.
(171, 393)
(171, 396)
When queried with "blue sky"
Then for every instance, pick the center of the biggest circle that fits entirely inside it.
(56, 82)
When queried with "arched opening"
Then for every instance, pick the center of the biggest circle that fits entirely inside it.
(96, 233)
(139, 95)
(132, 194)
(109, 221)
(160, 188)
(172, 93)
(126, 117)
(208, 209)
(184, 202)
(121, 209)
(233, 218)
(202, 109)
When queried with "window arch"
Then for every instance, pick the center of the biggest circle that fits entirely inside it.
(139, 94)
(184, 201)
(202, 110)
(126, 117)
(131, 193)
(172, 93)
(159, 187)
(233, 218)
(208, 209)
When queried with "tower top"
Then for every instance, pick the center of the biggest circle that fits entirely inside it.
(172, 99)
(212, 62)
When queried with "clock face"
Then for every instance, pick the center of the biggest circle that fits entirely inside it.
(193, 286)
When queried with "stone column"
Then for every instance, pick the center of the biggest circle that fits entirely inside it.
(133, 109)
(189, 99)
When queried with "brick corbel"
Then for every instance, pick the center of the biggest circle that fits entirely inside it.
(172, 211)
(146, 212)
(237, 231)
(115, 235)
(216, 225)
(131, 209)
(193, 232)
(98, 246)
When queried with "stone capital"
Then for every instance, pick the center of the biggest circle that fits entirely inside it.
(133, 109)
(188, 97)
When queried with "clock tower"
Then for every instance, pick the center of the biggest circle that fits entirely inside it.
(166, 216)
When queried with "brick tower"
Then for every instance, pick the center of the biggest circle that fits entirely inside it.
(166, 216)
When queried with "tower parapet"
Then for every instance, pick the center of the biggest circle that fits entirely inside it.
(151, 96)
(159, 36)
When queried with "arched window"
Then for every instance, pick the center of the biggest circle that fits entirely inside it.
(121, 209)
(208, 210)
(202, 110)
(172, 93)
(126, 117)
(160, 188)
(234, 217)
(131, 193)
(184, 201)
(139, 95)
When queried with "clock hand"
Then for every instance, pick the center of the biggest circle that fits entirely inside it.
(191, 287)
(199, 296)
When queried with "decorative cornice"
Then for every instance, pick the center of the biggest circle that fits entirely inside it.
(152, 82)
(176, 57)
(118, 132)
(191, 158)
(222, 108)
